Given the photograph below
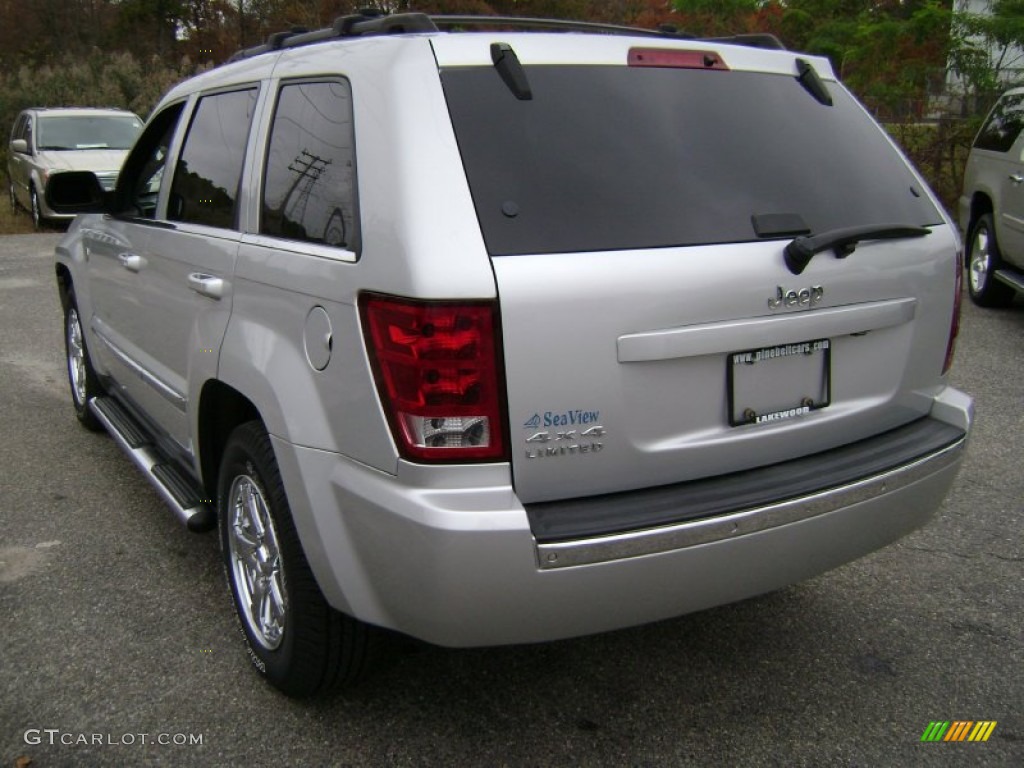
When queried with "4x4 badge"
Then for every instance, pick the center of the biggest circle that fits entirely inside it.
(571, 442)
(805, 297)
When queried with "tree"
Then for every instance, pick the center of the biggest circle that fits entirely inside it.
(987, 54)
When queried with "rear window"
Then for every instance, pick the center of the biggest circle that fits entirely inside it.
(608, 158)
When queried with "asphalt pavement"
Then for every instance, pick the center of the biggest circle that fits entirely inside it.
(118, 645)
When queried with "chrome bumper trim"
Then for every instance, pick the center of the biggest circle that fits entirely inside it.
(600, 549)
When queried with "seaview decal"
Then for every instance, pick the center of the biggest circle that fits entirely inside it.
(571, 418)
(576, 433)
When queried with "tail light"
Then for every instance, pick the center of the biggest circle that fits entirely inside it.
(438, 372)
(954, 327)
(674, 58)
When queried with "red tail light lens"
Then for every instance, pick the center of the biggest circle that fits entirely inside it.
(438, 372)
(954, 327)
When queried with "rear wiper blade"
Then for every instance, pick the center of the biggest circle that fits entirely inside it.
(799, 253)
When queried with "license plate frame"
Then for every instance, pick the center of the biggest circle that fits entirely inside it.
(806, 362)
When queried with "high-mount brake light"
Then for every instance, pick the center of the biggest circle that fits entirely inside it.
(438, 372)
(674, 58)
(954, 326)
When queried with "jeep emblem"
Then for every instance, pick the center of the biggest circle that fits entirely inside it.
(805, 297)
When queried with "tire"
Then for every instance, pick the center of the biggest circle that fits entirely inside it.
(983, 259)
(295, 639)
(82, 378)
(34, 210)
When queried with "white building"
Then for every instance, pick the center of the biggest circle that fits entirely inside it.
(1008, 61)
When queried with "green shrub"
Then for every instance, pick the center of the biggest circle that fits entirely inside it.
(939, 150)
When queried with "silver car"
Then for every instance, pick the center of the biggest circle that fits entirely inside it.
(992, 205)
(45, 142)
(502, 337)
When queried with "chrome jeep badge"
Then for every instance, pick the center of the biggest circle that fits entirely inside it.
(805, 297)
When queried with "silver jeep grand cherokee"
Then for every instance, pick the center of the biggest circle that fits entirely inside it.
(500, 337)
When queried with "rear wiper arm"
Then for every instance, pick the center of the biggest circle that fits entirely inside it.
(799, 253)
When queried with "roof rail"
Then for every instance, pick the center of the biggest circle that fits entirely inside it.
(751, 40)
(664, 30)
(370, 21)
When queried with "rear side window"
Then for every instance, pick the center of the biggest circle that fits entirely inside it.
(309, 191)
(19, 127)
(614, 157)
(1003, 125)
(209, 170)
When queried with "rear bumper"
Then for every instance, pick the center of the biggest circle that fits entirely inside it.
(452, 559)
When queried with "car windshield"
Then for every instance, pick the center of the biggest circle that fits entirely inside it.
(76, 132)
(612, 157)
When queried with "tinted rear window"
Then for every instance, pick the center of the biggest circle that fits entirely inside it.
(607, 158)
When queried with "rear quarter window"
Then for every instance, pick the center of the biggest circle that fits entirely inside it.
(309, 191)
(1003, 125)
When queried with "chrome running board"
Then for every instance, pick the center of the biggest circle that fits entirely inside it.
(177, 490)
(1011, 278)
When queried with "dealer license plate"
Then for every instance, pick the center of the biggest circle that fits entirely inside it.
(776, 383)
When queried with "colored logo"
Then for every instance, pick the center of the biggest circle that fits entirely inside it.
(958, 730)
(533, 422)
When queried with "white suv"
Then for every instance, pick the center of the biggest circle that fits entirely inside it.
(500, 337)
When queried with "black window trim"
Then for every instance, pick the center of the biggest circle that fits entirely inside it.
(279, 85)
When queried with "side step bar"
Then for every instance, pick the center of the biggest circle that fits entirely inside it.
(175, 488)
(1012, 278)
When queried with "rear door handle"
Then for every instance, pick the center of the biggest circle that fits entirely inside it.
(131, 261)
(206, 285)
(1016, 178)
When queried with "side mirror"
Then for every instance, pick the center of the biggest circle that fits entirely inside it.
(77, 192)
(20, 146)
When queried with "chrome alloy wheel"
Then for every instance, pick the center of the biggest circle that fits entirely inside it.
(35, 210)
(980, 260)
(256, 562)
(76, 357)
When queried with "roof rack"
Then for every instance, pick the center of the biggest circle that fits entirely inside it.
(371, 21)
(665, 30)
(368, 21)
